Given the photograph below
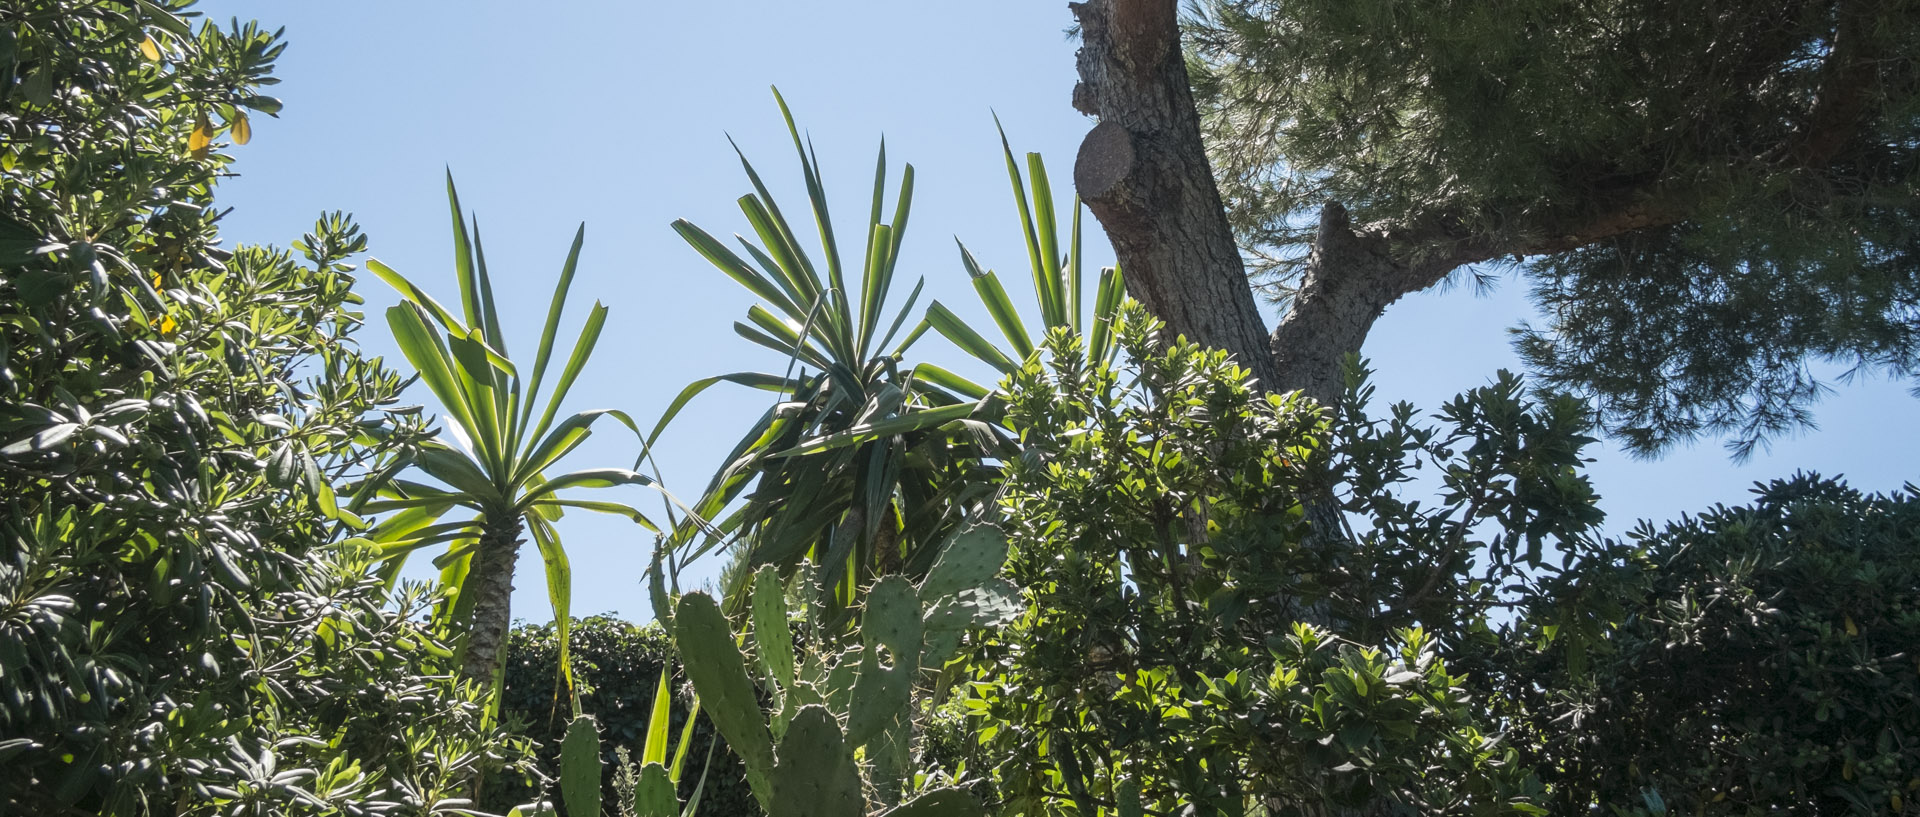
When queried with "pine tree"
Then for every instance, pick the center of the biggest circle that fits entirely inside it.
(1707, 200)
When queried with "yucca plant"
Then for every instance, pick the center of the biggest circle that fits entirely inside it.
(862, 466)
(867, 466)
(507, 438)
(1057, 287)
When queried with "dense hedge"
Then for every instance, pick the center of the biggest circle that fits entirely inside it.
(617, 664)
(1764, 659)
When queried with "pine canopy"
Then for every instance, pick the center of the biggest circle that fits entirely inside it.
(1707, 199)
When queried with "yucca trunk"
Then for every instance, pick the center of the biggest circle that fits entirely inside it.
(490, 579)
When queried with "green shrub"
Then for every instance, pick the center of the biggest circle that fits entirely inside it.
(1194, 638)
(183, 627)
(1758, 659)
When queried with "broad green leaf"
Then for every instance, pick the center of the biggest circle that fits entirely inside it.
(559, 571)
(654, 749)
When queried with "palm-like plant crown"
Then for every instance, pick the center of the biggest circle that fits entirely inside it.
(499, 471)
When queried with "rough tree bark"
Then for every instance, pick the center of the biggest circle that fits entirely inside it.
(492, 569)
(1144, 173)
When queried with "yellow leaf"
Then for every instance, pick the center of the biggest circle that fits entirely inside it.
(168, 324)
(1895, 802)
(1852, 628)
(242, 130)
(156, 280)
(200, 138)
(150, 49)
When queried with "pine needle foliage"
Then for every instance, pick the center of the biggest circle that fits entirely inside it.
(1767, 151)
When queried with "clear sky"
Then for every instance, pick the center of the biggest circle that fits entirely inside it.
(617, 114)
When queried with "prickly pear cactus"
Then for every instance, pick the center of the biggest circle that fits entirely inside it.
(826, 705)
(580, 766)
(973, 557)
(719, 675)
(816, 775)
(891, 661)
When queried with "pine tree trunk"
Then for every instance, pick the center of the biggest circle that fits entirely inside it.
(1144, 172)
(490, 580)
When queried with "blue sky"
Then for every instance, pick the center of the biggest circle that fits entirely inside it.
(617, 114)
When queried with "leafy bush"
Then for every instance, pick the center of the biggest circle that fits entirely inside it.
(1758, 659)
(616, 664)
(1191, 640)
(179, 630)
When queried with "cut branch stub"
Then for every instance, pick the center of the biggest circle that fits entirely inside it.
(1144, 173)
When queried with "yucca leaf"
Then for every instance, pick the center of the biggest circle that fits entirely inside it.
(560, 593)
(876, 279)
(463, 546)
(717, 254)
(879, 193)
(582, 349)
(812, 356)
(1107, 297)
(452, 616)
(415, 295)
(453, 468)
(778, 231)
(590, 478)
(654, 748)
(422, 346)
(756, 380)
(940, 376)
(550, 329)
(612, 508)
(407, 522)
(1053, 307)
(772, 271)
(386, 505)
(1073, 271)
(949, 325)
(475, 374)
(902, 424)
(902, 205)
(564, 438)
(994, 297)
(427, 536)
(494, 337)
(463, 258)
(905, 310)
(1026, 214)
(822, 219)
